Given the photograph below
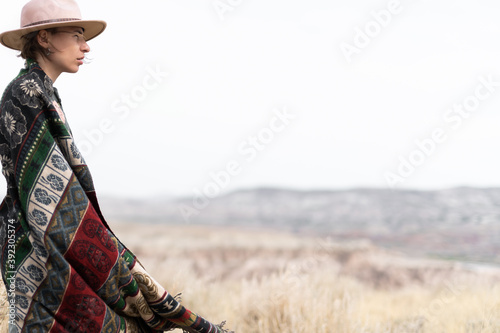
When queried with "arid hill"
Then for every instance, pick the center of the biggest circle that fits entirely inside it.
(460, 223)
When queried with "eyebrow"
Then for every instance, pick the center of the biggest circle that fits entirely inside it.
(78, 30)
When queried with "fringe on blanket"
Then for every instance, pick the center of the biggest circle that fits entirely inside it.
(178, 298)
(220, 326)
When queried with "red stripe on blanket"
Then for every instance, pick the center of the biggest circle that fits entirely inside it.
(81, 311)
(92, 253)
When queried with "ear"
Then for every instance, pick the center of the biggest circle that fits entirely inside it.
(43, 38)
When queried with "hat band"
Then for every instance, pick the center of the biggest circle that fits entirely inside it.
(52, 21)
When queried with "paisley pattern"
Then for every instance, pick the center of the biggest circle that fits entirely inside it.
(71, 273)
(6, 160)
(28, 91)
(12, 124)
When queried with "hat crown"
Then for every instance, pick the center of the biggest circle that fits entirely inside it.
(44, 11)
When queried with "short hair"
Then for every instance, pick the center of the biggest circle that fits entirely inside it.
(31, 48)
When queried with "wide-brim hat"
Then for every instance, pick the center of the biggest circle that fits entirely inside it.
(45, 14)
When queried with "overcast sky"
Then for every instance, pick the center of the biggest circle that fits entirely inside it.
(310, 94)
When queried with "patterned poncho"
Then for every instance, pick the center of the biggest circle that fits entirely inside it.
(63, 268)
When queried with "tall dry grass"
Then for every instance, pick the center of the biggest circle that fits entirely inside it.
(323, 303)
(271, 282)
(3, 309)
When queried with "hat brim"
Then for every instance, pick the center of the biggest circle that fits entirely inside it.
(12, 39)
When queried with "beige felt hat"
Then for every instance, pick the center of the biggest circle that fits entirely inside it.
(44, 14)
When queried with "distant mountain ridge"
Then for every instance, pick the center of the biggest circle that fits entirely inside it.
(459, 223)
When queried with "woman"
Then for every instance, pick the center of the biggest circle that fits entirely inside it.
(67, 270)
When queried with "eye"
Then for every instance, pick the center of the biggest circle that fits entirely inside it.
(80, 37)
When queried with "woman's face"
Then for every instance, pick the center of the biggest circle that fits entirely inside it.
(68, 48)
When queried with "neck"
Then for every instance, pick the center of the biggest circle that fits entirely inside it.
(48, 68)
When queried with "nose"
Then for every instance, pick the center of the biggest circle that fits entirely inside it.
(85, 47)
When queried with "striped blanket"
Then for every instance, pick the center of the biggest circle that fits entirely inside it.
(65, 271)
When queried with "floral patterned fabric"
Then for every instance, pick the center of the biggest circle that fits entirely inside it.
(63, 267)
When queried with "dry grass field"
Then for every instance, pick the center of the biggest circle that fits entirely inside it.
(276, 282)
